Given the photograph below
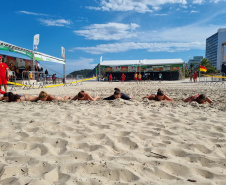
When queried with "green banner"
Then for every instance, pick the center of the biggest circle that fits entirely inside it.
(39, 57)
(5, 48)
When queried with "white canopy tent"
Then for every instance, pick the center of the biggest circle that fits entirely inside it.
(141, 62)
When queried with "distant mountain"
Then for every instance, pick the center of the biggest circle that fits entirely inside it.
(86, 73)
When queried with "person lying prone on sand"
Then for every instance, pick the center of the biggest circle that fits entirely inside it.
(160, 96)
(10, 97)
(118, 94)
(48, 97)
(201, 99)
(84, 96)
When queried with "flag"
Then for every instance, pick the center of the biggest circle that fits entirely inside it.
(36, 41)
(203, 69)
(62, 52)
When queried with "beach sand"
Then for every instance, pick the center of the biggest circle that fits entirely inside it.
(115, 142)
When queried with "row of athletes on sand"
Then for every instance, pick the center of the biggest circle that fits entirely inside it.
(137, 77)
(82, 95)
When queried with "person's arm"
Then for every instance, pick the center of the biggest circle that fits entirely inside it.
(147, 96)
(92, 99)
(110, 98)
(167, 98)
(7, 73)
(75, 98)
(190, 99)
(209, 100)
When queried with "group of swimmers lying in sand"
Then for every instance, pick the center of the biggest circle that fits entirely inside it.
(43, 96)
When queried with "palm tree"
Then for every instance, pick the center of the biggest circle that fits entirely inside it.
(206, 63)
(191, 66)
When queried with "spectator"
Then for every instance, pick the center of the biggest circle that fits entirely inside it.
(54, 78)
(4, 74)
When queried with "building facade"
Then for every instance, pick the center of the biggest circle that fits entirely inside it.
(196, 61)
(214, 48)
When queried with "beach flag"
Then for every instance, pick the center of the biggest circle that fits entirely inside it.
(62, 52)
(203, 69)
(36, 42)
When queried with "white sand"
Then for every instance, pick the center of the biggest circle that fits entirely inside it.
(111, 142)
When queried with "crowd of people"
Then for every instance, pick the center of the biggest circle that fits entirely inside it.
(138, 77)
(82, 95)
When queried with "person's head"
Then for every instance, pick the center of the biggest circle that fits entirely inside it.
(1, 59)
(117, 93)
(160, 95)
(10, 97)
(81, 94)
(43, 96)
(201, 99)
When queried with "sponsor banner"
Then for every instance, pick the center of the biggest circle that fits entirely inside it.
(108, 69)
(132, 69)
(166, 68)
(149, 69)
(158, 69)
(20, 62)
(174, 68)
(116, 69)
(124, 68)
(5, 48)
(47, 59)
(38, 57)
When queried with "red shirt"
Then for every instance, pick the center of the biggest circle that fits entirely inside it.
(195, 75)
(123, 76)
(3, 68)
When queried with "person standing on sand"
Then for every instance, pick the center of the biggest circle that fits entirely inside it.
(4, 74)
(135, 77)
(140, 78)
(195, 76)
(160, 77)
(110, 78)
(123, 78)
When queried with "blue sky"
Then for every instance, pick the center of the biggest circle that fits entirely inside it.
(114, 29)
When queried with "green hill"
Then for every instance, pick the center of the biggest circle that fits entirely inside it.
(86, 73)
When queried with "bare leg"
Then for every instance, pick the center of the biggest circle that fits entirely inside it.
(5, 86)
(67, 97)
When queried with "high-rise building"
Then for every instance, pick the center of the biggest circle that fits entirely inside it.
(196, 61)
(214, 48)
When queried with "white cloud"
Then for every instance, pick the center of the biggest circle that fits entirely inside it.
(194, 11)
(216, 1)
(32, 13)
(141, 6)
(109, 31)
(150, 47)
(198, 1)
(56, 22)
